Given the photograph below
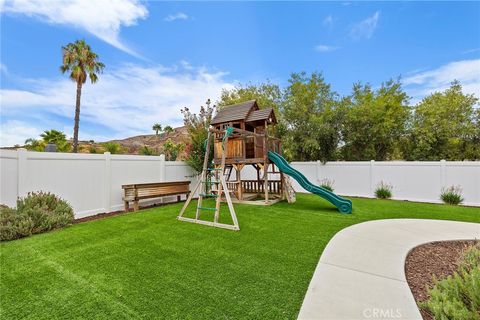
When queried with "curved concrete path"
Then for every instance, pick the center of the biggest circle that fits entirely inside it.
(361, 273)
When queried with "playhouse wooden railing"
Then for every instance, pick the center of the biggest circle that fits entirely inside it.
(232, 185)
(254, 186)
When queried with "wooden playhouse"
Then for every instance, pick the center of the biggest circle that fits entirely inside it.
(242, 136)
(248, 145)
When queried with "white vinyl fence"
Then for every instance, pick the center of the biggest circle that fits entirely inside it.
(411, 180)
(91, 183)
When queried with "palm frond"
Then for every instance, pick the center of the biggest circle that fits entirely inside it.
(81, 61)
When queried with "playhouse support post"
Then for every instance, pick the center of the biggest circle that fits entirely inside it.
(238, 169)
(265, 181)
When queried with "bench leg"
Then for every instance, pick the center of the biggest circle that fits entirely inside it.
(127, 207)
(179, 198)
(135, 205)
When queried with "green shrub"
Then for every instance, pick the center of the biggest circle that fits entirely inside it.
(93, 149)
(112, 147)
(37, 212)
(384, 190)
(452, 195)
(14, 225)
(458, 296)
(146, 151)
(327, 184)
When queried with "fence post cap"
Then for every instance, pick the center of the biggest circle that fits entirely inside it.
(162, 157)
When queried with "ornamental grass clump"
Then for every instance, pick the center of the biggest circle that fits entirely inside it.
(458, 295)
(36, 213)
(452, 195)
(384, 190)
(327, 184)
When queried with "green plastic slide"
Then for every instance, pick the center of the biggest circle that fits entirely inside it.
(343, 205)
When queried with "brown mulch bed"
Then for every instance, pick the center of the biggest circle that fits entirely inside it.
(436, 258)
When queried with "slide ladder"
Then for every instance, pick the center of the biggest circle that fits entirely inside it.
(343, 205)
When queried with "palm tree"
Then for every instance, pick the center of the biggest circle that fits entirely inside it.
(80, 61)
(56, 137)
(157, 127)
(168, 129)
(53, 136)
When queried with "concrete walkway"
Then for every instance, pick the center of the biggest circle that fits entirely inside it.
(361, 274)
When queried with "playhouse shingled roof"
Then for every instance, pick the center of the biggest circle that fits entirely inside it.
(263, 114)
(235, 112)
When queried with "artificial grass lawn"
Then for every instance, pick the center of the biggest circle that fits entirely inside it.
(149, 265)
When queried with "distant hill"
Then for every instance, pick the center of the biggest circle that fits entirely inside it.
(132, 145)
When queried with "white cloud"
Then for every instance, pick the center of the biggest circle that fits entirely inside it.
(102, 18)
(3, 68)
(328, 21)
(176, 16)
(325, 48)
(16, 132)
(365, 28)
(126, 100)
(471, 51)
(421, 84)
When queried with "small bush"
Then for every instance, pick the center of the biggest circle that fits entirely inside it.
(327, 184)
(458, 296)
(93, 149)
(37, 212)
(146, 151)
(384, 190)
(112, 147)
(452, 195)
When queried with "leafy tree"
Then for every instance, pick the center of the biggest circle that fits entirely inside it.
(146, 151)
(313, 115)
(81, 62)
(172, 149)
(445, 126)
(197, 126)
(157, 127)
(112, 147)
(375, 122)
(473, 150)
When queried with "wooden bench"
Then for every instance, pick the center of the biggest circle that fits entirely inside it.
(139, 191)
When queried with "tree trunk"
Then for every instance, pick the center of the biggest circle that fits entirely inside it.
(77, 117)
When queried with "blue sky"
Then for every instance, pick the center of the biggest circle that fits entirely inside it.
(162, 56)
